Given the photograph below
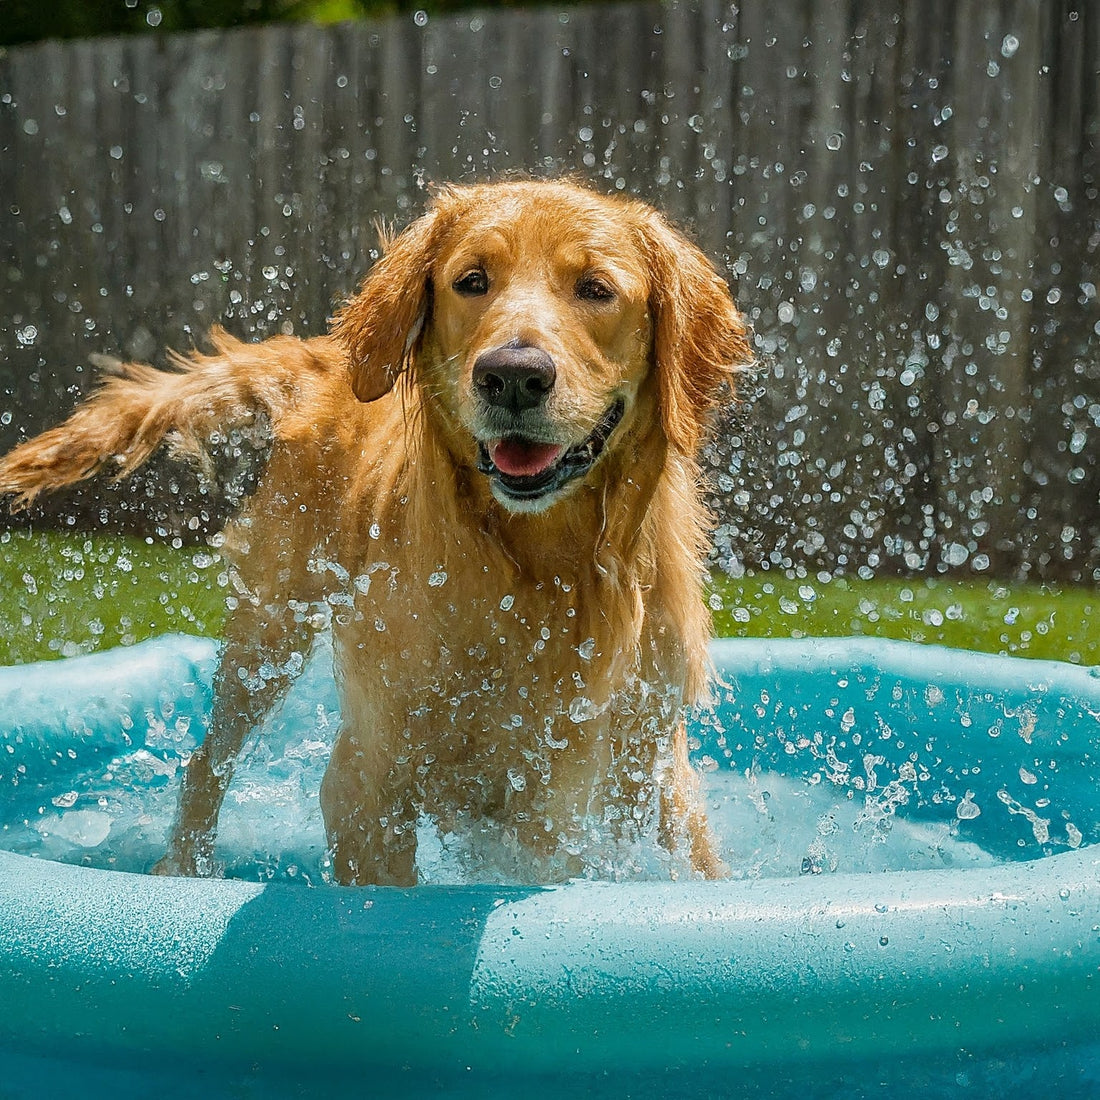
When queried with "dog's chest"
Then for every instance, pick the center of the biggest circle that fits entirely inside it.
(470, 669)
(464, 644)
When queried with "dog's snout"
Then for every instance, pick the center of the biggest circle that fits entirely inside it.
(514, 377)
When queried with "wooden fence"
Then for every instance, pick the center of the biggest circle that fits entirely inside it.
(904, 193)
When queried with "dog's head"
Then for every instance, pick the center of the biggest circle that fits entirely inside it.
(543, 322)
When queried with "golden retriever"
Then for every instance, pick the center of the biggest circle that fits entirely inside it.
(488, 469)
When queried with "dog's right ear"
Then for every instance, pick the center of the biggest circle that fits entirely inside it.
(382, 324)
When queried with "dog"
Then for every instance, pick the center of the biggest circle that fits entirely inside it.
(488, 469)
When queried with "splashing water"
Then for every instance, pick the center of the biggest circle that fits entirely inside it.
(852, 816)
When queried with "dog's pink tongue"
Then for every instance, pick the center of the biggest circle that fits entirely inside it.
(517, 458)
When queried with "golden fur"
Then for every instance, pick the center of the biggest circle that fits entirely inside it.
(521, 657)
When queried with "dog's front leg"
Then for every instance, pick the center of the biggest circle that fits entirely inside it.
(684, 814)
(367, 800)
(264, 650)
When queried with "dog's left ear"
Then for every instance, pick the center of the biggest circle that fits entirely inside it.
(382, 324)
(700, 339)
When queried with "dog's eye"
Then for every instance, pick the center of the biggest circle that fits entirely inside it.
(591, 288)
(473, 283)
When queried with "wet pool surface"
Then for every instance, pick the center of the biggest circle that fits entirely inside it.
(810, 973)
(843, 776)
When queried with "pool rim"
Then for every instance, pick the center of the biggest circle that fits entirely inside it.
(732, 974)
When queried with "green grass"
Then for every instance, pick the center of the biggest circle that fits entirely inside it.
(68, 594)
(1021, 620)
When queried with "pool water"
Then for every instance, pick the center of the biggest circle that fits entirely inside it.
(913, 908)
(768, 825)
(808, 793)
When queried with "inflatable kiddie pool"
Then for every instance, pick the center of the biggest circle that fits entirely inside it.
(981, 979)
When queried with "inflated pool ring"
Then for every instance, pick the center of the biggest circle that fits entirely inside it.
(110, 981)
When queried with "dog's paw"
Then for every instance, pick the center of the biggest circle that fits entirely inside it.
(172, 865)
(185, 864)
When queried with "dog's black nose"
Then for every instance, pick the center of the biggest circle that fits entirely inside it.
(514, 377)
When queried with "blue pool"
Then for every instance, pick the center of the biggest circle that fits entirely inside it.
(925, 918)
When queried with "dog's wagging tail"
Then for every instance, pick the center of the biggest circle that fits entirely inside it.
(514, 399)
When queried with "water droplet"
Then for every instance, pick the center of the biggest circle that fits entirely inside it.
(1009, 45)
(956, 554)
(933, 695)
(582, 709)
(517, 779)
(967, 810)
(834, 141)
(420, 18)
(437, 579)
(506, 603)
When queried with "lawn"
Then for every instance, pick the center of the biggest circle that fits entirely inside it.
(69, 594)
(1021, 620)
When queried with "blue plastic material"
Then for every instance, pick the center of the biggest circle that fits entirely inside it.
(983, 981)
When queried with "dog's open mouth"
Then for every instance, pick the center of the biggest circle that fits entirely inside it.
(525, 469)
